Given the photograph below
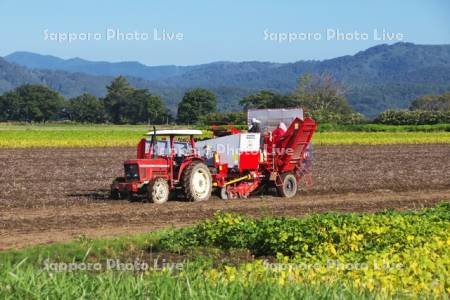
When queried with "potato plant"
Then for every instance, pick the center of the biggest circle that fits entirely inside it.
(394, 253)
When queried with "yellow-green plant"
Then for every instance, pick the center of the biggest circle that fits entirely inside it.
(390, 252)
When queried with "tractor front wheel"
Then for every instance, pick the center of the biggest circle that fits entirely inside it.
(158, 191)
(197, 182)
(288, 188)
(114, 193)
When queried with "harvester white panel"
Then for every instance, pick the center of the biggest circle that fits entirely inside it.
(229, 147)
(270, 118)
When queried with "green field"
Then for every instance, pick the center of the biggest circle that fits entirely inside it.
(326, 127)
(333, 256)
(61, 135)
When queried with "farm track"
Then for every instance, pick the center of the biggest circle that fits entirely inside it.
(50, 195)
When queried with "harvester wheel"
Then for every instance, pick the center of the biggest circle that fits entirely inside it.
(158, 191)
(197, 182)
(288, 188)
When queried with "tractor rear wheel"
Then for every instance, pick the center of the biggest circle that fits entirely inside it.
(197, 182)
(288, 188)
(158, 191)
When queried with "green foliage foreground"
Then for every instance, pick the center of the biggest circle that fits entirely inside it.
(334, 256)
(389, 253)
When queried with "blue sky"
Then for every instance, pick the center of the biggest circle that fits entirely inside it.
(217, 30)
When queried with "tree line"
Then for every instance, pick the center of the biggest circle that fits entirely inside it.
(122, 104)
(425, 110)
(321, 96)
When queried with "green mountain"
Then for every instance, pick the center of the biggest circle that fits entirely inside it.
(73, 84)
(101, 68)
(381, 77)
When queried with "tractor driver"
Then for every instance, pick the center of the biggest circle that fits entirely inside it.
(256, 126)
(278, 132)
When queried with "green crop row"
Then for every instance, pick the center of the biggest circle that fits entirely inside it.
(31, 283)
(33, 136)
(380, 138)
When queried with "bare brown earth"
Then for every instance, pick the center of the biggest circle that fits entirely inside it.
(50, 195)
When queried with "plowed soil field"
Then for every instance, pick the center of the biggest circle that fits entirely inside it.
(50, 195)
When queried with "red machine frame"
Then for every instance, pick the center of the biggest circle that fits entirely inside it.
(283, 157)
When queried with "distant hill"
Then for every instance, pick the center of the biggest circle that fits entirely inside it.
(69, 84)
(381, 77)
(73, 84)
(135, 69)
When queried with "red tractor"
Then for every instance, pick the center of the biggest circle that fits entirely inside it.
(162, 166)
(237, 165)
